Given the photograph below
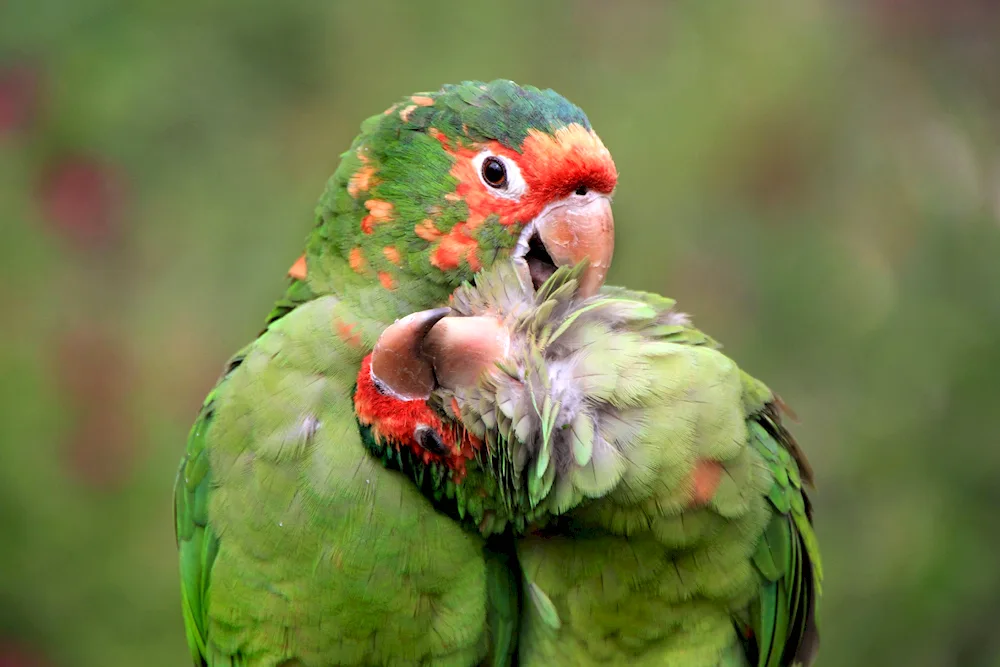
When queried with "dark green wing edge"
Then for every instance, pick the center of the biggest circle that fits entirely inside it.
(197, 544)
(784, 621)
(298, 292)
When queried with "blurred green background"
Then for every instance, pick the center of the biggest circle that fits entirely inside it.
(817, 182)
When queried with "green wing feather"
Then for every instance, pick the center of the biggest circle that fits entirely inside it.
(784, 620)
(197, 544)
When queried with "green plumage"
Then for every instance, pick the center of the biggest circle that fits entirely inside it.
(297, 545)
(598, 421)
(305, 541)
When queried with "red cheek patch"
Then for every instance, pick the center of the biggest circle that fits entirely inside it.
(395, 422)
(559, 163)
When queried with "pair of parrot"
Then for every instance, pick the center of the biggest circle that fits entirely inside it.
(453, 445)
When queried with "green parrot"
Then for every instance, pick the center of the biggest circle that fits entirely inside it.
(311, 533)
(660, 502)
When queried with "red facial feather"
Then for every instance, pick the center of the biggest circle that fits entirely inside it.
(394, 421)
(553, 166)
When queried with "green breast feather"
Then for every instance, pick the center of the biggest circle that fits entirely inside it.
(297, 546)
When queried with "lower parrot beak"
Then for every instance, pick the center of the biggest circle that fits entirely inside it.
(426, 350)
(399, 366)
(567, 232)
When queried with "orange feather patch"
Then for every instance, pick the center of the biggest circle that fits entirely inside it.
(404, 115)
(453, 247)
(347, 332)
(392, 254)
(387, 280)
(379, 211)
(426, 230)
(439, 135)
(357, 261)
(298, 269)
(705, 480)
(360, 180)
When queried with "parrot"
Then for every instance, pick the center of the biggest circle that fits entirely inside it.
(659, 504)
(315, 519)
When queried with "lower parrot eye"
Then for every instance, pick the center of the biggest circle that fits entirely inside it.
(494, 172)
(429, 439)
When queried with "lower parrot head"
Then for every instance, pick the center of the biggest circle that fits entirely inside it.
(444, 184)
(537, 385)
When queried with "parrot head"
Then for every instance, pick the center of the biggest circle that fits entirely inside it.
(444, 184)
(531, 384)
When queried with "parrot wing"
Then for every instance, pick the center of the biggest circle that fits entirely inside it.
(197, 544)
(783, 621)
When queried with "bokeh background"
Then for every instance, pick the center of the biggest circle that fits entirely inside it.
(817, 182)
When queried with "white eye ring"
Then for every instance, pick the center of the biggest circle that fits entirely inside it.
(515, 186)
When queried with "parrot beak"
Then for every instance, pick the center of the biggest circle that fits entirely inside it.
(567, 232)
(399, 367)
(422, 351)
(461, 349)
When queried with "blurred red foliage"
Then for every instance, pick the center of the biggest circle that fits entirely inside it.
(96, 379)
(19, 93)
(12, 655)
(82, 199)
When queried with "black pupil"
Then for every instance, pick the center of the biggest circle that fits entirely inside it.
(494, 172)
(429, 439)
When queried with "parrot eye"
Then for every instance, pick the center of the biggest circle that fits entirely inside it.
(429, 439)
(494, 173)
(500, 175)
